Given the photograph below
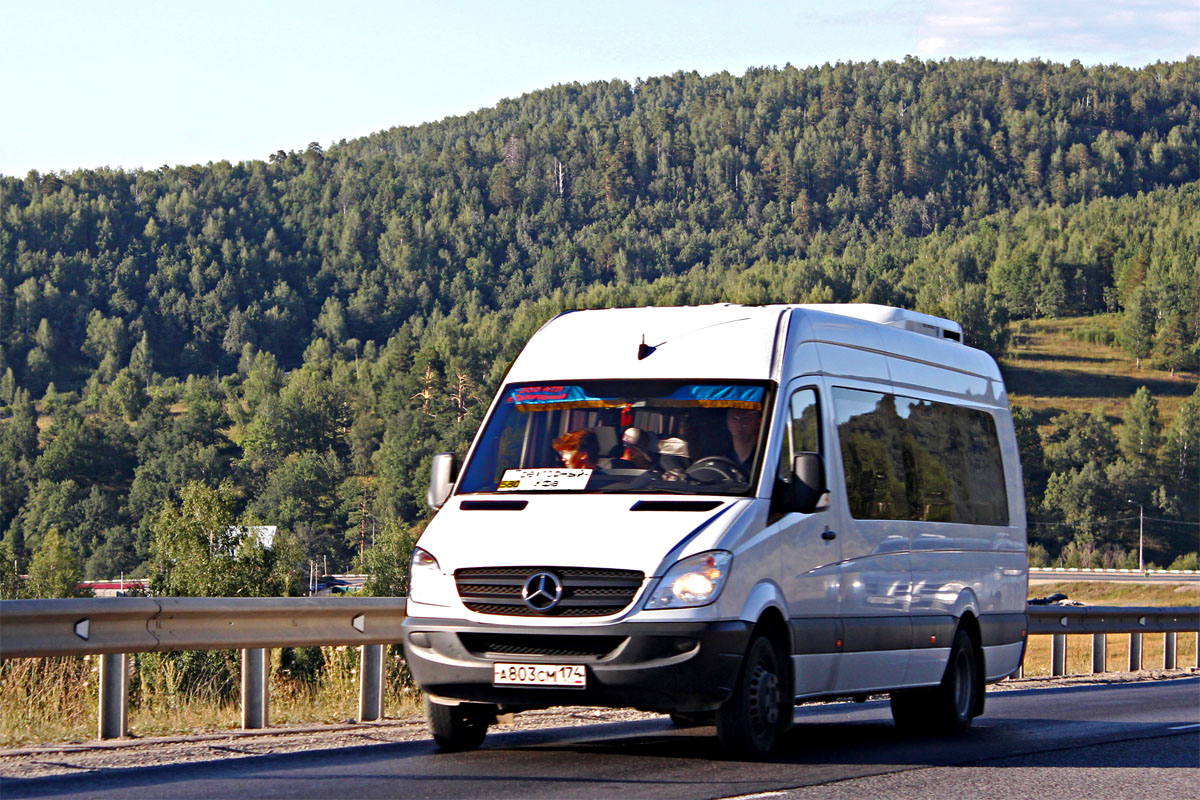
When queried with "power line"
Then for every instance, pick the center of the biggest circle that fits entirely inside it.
(1119, 519)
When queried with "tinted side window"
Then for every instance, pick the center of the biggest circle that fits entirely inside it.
(872, 454)
(906, 458)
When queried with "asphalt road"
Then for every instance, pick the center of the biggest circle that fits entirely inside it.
(1139, 739)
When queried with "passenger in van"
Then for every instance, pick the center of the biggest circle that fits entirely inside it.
(641, 449)
(578, 449)
(673, 457)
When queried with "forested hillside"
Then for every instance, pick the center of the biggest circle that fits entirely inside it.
(299, 334)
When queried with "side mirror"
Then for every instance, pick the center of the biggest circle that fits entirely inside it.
(441, 481)
(808, 483)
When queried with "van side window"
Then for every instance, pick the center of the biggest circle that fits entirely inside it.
(913, 459)
(803, 433)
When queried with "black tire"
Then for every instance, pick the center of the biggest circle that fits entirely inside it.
(457, 728)
(748, 723)
(950, 706)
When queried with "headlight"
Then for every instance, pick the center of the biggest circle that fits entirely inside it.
(691, 582)
(427, 583)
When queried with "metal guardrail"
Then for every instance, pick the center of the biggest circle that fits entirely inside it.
(1054, 619)
(1150, 573)
(33, 628)
(113, 627)
(1099, 621)
(116, 626)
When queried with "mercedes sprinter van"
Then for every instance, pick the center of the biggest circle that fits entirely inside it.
(719, 512)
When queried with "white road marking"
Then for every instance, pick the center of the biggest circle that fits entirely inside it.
(1185, 727)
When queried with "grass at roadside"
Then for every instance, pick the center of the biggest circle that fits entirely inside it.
(1079, 653)
(1114, 593)
(1111, 593)
(56, 700)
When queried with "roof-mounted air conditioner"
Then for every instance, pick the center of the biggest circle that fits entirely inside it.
(914, 321)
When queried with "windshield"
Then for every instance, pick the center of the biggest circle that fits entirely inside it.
(621, 436)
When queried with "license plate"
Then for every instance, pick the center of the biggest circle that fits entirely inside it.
(569, 675)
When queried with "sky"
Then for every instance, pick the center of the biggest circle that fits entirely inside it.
(134, 84)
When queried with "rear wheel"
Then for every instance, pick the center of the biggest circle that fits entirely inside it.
(749, 721)
(460, 727)
(950, 706)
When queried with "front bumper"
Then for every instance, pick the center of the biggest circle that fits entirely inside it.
(670, 666)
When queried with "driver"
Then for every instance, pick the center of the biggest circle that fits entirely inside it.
(743, 425)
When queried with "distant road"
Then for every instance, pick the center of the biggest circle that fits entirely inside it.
(1117, 577)
(1116, 740)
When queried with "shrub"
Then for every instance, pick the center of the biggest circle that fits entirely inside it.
(1186, 561)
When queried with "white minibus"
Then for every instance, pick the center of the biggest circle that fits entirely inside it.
(719, 512)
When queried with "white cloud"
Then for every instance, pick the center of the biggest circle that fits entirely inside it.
(1132, 32)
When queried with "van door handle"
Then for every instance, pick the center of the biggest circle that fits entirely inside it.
(828, 535)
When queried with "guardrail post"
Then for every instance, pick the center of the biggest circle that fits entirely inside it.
(1099, 653)
(255, 673)
(1058, 654)
(1135, 652)
(1170, 647)
(370, 682)
(114, 696)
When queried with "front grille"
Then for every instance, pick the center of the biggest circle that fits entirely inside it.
(549, 645)
(587, 592)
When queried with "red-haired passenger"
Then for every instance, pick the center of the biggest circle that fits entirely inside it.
(579, 449)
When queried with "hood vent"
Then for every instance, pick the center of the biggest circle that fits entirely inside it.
(494, 505)
(676, 505)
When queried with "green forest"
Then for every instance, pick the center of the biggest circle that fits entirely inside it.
(288, 341)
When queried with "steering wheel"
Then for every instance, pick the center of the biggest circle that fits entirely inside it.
(715, 469)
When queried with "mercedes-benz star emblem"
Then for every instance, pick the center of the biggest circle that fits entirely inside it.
(542, 591)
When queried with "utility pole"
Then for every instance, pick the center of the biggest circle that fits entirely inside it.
(1141, 536)
(362, 526)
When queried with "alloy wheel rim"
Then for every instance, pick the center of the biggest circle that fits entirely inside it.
(764, 696)
(962, 684)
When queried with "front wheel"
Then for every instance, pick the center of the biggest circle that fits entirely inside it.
(749, 721)
(950, 706)
(457, 728)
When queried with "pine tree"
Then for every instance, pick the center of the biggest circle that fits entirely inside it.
(1180, 453)
(1141, 432)
(54, 570)
(1137, 326)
